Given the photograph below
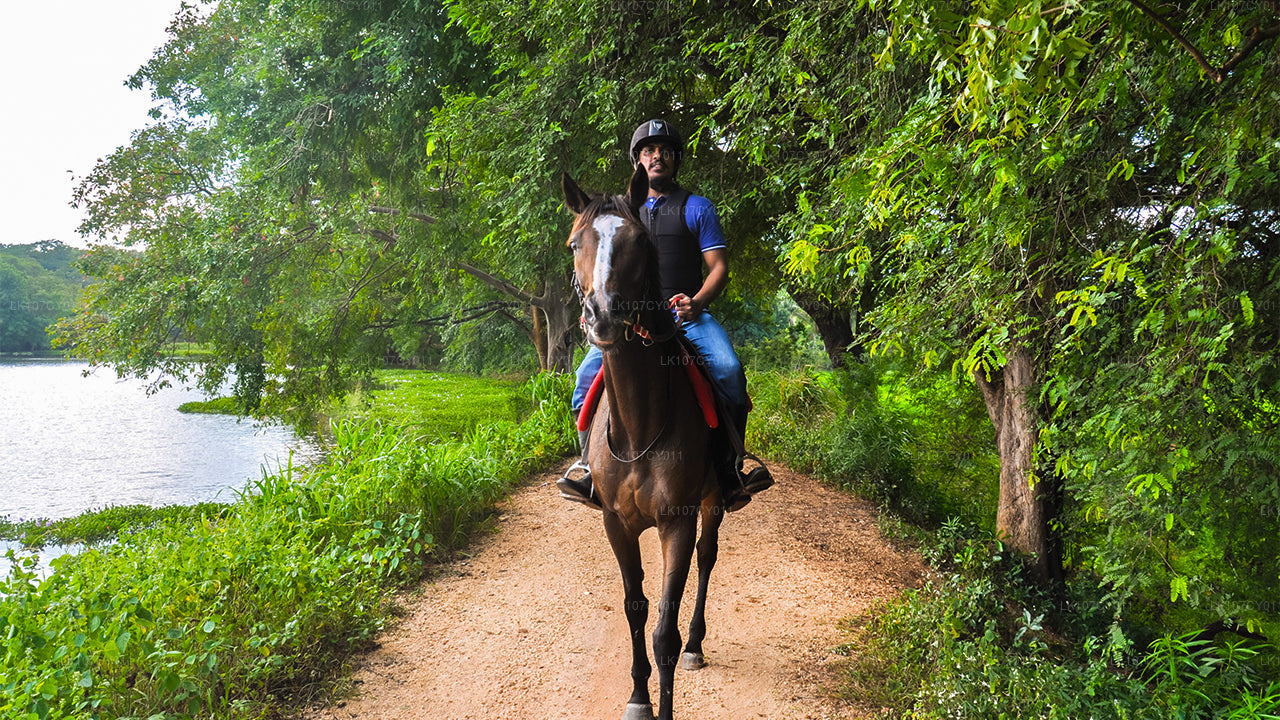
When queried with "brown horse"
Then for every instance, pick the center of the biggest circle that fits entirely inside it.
(648, 446)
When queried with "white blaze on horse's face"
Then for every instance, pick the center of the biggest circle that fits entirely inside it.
(606, 226)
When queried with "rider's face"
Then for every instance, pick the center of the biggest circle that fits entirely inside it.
(659, 160)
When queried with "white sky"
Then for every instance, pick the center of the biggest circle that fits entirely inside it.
(64, 103)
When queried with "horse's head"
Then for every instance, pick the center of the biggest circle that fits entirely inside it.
(615, 264)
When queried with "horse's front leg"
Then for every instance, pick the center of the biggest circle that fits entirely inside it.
(678, 535)
(708, 548)
(626, 549)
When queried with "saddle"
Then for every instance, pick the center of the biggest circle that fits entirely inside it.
(714, 413)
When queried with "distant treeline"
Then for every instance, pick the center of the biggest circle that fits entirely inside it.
(39, 283)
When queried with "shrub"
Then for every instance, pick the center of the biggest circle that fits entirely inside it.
(230, 613)
(918, 445)
(981, 641)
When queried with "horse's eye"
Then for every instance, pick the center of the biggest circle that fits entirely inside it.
(574, 245)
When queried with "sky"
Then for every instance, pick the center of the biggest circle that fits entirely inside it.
(64, 104)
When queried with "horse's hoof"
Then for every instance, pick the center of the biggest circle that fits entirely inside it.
(636, 711)
(692, 661)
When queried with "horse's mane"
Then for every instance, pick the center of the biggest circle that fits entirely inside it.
(664, 323)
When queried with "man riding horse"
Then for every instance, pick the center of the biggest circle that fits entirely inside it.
(686, 231)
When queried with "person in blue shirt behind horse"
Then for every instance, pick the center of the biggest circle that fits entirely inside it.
(686, 232)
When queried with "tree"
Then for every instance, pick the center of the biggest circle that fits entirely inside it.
(568, 98)
(37, 286)
(277, 204)
(1053, 153)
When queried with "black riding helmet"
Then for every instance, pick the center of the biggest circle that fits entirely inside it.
(652, 131)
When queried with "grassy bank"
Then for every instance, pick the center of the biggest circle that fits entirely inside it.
(236, 613)
(981, 640)
(216, 406)
(98, 526)
(31, 355)
(433, 405)
(429, 404)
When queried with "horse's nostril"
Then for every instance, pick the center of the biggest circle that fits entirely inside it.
(591, 308)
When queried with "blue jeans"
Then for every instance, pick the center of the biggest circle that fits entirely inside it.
(722, 363)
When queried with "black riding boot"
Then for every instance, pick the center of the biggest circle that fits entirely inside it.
(736, 486)
(579, 489)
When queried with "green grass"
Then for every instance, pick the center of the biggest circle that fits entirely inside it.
(434, 405)
(98, 526)
(190, 350)
(239, 613)
(216, 406)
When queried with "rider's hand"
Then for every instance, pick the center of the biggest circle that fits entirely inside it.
(686, 308)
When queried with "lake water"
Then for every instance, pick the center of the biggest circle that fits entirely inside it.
(70, 443)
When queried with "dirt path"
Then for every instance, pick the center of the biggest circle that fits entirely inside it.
(531, 626)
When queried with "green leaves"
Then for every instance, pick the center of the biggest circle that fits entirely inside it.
(1246, 308)
(802, 258)
(1152, 484)
(1232, 37)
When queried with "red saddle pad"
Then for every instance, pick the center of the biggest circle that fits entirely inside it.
(701, 390)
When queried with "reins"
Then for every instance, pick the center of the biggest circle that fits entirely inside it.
(636, 331)
(608, 441)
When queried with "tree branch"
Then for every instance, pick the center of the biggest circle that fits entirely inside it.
(505, 311)
(1256, 37)
(1200, 59)
(461, 316)
(501, 285)
(393, 211)
(471, 313)
(388, 238)
(365, 279)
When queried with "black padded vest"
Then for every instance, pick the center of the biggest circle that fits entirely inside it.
(679, 255)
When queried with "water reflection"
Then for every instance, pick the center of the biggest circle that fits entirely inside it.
(44, 556)
(70, 443)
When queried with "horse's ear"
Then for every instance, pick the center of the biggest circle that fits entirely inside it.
(574, 198)
(638, 192)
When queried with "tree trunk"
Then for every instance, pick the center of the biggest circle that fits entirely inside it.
(832, 321)
(557, 304)
(1023, 515)
(539, 336)
(562, 311)
(868, 299)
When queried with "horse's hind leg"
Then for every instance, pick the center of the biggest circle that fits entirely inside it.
(708, 548)
(626, 549)
(678, 538)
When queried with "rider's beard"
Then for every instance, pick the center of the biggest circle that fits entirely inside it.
(664, 185)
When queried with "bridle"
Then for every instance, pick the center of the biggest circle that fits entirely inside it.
(634, 329)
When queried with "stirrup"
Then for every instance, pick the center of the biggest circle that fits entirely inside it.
(758, 480)
(580, 490)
